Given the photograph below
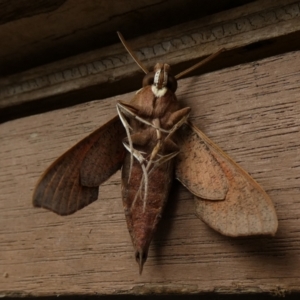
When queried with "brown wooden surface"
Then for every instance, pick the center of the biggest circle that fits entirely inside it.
(251, 111)
(38, 32)
(96, 71)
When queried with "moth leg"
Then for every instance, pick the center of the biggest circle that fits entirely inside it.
(150, 163)
(162, 159)
(177, 119)
(156, 149)
(168, 144)
(177, 116)
(140, 138)
(154, 164)
(146, 173)
(127, 129)
(140, 158)
(126, 109)
(156, 123)
(133, 109)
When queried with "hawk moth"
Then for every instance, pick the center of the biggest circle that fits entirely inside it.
(153, 142)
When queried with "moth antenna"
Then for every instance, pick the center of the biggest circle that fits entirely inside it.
(199, 64)
(131, 53)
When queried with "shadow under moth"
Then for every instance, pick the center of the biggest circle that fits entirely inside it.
(153, 142)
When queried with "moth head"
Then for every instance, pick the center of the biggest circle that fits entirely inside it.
(161, 78)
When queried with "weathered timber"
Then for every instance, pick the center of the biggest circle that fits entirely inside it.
(110, 70)
(38, 32)
(251, 111)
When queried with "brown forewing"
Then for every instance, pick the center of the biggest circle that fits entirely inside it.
(71, 182)
(197, 169)
(246, 210)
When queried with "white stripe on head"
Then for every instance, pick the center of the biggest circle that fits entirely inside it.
(158, 92)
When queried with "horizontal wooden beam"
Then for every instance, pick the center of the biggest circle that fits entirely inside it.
(36, 33)
(251, 111)
(109, 70)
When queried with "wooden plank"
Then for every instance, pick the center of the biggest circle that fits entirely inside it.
(38, 32)
(182, 44)
(251, 111)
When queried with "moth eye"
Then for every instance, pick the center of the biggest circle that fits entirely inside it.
(172, 83)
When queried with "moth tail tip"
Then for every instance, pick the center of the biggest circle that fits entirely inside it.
(141, 257)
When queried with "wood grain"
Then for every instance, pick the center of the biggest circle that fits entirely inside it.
(49, 30)
(181, 44)
(251, 111)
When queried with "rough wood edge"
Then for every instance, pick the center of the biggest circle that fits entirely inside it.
(230, 29)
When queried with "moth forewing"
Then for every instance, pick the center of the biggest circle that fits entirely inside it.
(72, 181)
(197, 169)
(246, 210)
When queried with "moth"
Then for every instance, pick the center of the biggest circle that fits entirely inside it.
(153, 142)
